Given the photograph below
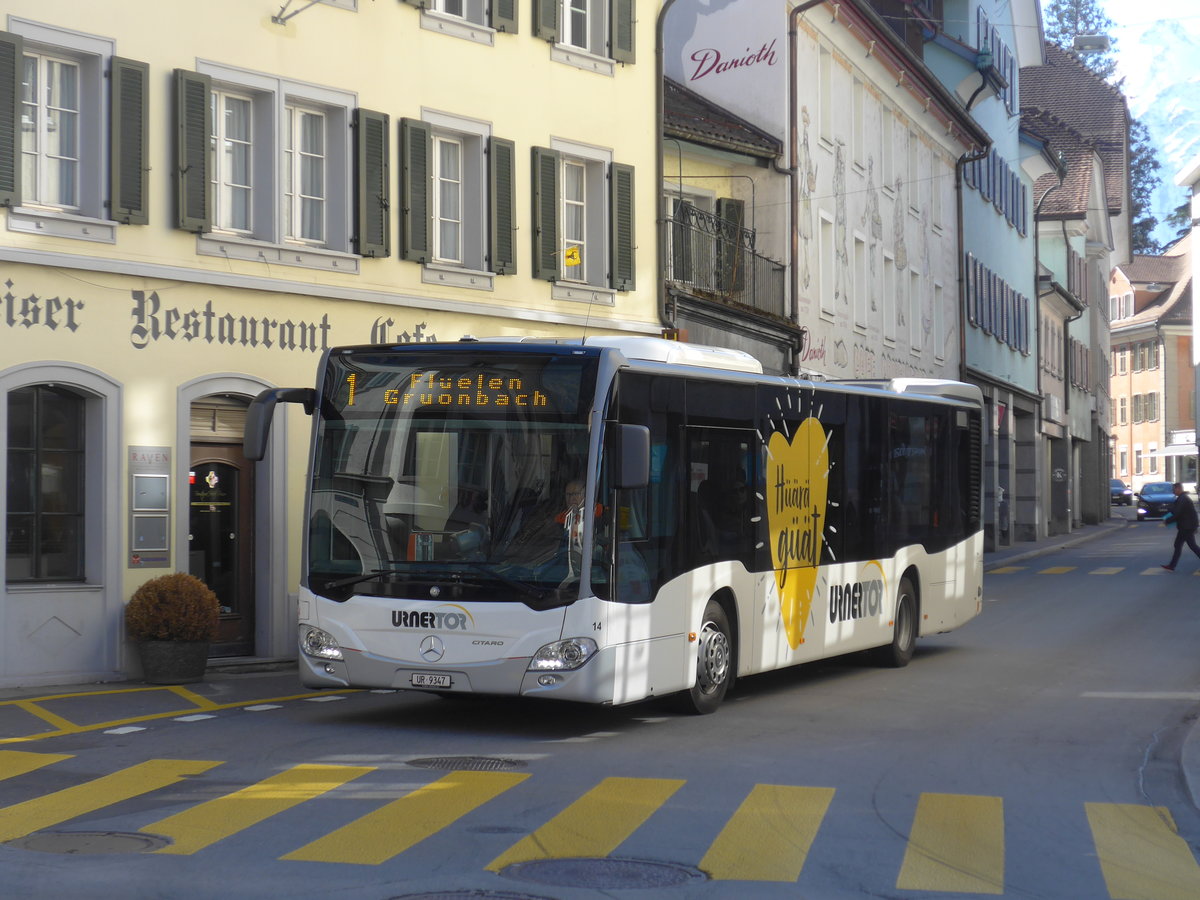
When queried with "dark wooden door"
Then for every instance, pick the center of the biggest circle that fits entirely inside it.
(221, 539)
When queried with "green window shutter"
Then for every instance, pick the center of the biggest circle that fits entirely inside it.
(545, 214)
(129, 175)
(416, 145)
(11, 50)
(620, 188)
(731, 262)
(372, 181)
(193, 130)
(683, 227)
(545, 20)
(504, 16)
(501, 206)
(621, 25)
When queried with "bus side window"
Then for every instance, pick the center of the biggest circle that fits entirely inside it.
(649, 540)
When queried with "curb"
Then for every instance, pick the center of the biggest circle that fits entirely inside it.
(1049, 545)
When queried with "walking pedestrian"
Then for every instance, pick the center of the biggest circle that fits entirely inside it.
(1183, 514)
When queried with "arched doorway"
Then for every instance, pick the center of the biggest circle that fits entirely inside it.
(221, 518)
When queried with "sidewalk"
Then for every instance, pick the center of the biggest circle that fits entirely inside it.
(1022, 550)
(1189, 754)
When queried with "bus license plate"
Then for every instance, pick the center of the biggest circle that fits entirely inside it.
(426, 679)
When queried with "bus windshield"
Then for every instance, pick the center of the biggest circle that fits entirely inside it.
(451, 476)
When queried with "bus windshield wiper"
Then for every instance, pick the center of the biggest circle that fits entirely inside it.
(523, 586)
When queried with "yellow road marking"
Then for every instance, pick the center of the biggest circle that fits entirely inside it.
(31, 707)
(1108, 570)
(33, 815)
(769, 836)
(203, 825)
(69, 728)
(1141, 855)
(1057, 570)
(595, 824)
(18, 762)
(191, 697)
(390, 830)
(956, 845)
(1006, 570)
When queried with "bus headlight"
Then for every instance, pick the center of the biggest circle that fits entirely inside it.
(320, 644)
(563, 656)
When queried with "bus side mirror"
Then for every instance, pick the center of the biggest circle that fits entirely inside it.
(261, 411)
(633, 456)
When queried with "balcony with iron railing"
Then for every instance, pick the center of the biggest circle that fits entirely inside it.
(714, 258)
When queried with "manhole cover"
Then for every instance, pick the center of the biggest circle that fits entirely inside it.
(109, 842)
(471, 763)
(604, 874)
(469, 895)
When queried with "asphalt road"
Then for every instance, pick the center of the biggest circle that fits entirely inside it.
(1032, 754)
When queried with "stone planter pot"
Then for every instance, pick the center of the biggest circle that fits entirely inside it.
(173, 662)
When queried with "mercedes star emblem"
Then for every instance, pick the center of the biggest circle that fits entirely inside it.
(432, 648)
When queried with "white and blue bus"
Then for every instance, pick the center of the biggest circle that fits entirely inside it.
(616, 518)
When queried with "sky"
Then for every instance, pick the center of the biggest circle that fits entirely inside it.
(1135, 62)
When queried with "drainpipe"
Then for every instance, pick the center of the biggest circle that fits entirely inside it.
(961, 236)
(665, 314)
(794, 163)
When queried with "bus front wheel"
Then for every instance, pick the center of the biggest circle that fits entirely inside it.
(714, 662)
(899, 652)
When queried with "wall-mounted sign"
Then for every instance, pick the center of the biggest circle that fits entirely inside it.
(149, 507)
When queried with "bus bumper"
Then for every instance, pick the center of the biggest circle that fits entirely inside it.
(593, 682)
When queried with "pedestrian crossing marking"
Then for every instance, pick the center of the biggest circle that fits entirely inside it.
(769, 836)
(1108, 570)
(595, 824)
(390, 830)
(1142, 857)
(1006, 570)
(19, 762)
(956, 845)
(1057, 570)
(205, 824)
(25, 818)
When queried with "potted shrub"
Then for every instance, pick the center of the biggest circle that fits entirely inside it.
(173, 619)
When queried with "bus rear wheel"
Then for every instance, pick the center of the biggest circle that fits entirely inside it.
(714, 662)
(899, 652)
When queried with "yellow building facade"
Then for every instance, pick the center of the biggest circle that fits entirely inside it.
(197, 202)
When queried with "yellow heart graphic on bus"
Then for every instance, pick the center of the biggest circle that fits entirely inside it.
(797, 486)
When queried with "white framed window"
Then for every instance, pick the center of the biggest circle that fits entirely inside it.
(589, 34)
(230, 162)
(915, 319)
(889, 297)
(447, 199)
(583, 221)
(473, 20)
(862, 289)
(50, 125)
(579, 25)
(304, 176)
(451, 222)
(858, 136)
(825, 264)
(887, 150)
(939, 322)
(913, 170)
(825, 96)
(64, 130)
(575, 220)
(280, 170)
(1151, 455)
